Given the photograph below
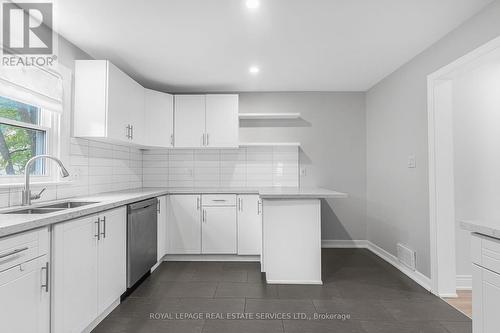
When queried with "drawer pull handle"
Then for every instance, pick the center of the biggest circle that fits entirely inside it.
(11, 253)
(98, 233)
(103, 233)
(46, 284)
(219, 200)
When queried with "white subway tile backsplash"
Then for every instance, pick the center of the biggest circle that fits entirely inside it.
(251, 166)
(94, 167)
(97, 167)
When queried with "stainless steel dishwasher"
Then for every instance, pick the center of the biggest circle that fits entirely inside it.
(141, 239)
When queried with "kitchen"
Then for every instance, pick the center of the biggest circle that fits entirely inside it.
(266, 192)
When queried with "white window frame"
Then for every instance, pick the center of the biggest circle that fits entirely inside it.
(51, 126)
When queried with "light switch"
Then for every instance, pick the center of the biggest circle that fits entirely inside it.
(412, 162)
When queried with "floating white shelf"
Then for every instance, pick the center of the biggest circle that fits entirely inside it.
(256, 116)
(267, 144)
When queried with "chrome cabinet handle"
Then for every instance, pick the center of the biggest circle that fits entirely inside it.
(203, 139)
(11, 253)
(259, 210)
(207, 139)
(219, 200)
(197, 203)
(103, 233)
(132, 132)
(158, 207)
(172, 140)
(98, 234)
(204, 216)
(46, 284)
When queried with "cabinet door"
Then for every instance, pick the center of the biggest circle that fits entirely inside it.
(189, 120)
(24, 304)
(112, 249)
(184, 224)
(121, 91)
(485, 300)
(136, 114)
(75, 274)
(162, 227)
(158, 118)
(249, 225)
(218, 230)
(89, 117)
(222, 123)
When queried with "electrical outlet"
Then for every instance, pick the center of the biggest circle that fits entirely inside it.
(412, 162)
(75, 175)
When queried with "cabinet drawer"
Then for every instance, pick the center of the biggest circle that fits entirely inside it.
(486, 252)
(218, 199)
(23, 247)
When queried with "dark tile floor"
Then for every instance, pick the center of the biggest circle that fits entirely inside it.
(365, 294)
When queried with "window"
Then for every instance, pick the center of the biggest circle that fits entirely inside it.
(24, 133)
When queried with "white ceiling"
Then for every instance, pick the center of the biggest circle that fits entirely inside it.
(308, 45)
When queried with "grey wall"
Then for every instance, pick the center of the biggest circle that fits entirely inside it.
(398, 197)
(332, 136)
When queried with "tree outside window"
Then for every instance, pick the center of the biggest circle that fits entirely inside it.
(21, 137)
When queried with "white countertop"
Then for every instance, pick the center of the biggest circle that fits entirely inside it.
(487, 228)
(14, 223)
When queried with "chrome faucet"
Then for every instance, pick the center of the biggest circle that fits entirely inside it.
(27, 196)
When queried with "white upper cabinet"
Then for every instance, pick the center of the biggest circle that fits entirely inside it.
(189, 121)
(111, 106)
(108, 103)
(222, 123)
(158, 119)
(206, 121)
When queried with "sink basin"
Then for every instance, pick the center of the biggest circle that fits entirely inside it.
(51, 208)
(69, 204)
(35, 211)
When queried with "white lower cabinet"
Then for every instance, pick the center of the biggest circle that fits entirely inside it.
(162, 227)
(485, 284)
(89, 270)
(111, 258)
(218, 230)
(485, 300)
(184, 224)
(202, 224)
(24, 302)
(249, 224)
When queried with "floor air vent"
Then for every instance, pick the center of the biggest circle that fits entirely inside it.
(406, 256)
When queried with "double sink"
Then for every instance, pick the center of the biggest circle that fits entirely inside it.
(51, 208)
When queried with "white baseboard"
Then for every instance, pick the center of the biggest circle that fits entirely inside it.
(464, 282)
(101, 317)
(294, 282)
(209, 257)
(344, 244)
(416, 276)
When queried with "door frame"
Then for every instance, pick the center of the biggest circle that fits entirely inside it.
(441, 180)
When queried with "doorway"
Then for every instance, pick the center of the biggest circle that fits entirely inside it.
(460, 101)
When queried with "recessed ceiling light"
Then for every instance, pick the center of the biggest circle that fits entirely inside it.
(254, 70)
(253, 4)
